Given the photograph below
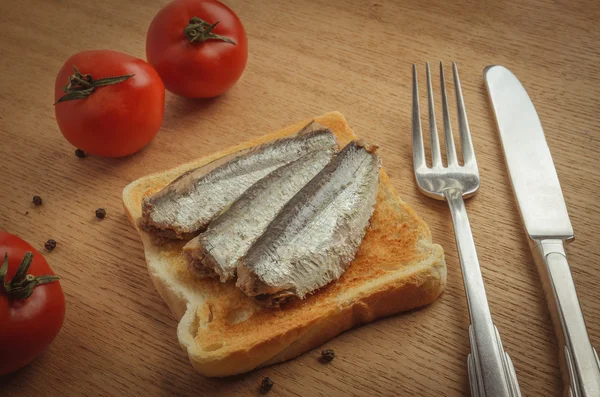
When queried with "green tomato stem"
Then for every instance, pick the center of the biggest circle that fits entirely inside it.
(199, 31)
(22, 284)
(80, 86)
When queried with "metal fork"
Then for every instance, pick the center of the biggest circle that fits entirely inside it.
(491, 372)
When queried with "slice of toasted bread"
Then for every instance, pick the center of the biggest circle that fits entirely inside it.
(224, 332)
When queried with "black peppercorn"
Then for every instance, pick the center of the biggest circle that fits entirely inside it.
(50, 245)
(37, 200)
(327, 355)
(101, 213)
(80, 153)
(266, 384)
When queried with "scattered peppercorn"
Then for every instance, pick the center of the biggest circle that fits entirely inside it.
(50, 245)
(26, 212)
(101, 213)
(266, 384)
(327, 355)
(37, 200)
(80, 153)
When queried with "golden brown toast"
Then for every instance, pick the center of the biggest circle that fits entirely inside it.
(224, 332)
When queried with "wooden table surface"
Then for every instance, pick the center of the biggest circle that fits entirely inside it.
(306, 58)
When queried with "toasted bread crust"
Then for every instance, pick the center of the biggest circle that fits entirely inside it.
(224, 332)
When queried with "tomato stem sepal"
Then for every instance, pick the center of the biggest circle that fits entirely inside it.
(22, 284)
(80, 86)
(198, 30)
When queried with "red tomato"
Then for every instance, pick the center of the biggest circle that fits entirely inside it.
(113, 120)
(29, 325)
(194, 58)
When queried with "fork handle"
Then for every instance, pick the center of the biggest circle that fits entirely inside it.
(491, 373)
(579, 361)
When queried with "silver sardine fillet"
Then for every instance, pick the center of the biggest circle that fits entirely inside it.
(229, 235)
(185, 207)
(316, 235)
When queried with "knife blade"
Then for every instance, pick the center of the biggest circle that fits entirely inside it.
(546, 220)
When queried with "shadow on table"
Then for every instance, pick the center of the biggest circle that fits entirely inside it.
(178, 110)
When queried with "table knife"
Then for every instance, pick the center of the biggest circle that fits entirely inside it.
(544, 214)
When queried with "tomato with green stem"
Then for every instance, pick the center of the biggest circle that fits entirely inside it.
(198, 47)
(32, 303)
(108, 103)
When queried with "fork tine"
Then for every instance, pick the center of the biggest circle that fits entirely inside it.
(450, 149)
(417, 135)
(463, 123)
(436, 156)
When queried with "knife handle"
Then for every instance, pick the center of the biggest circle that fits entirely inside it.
(580, 366)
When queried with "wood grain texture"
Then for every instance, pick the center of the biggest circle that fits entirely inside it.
(306, 58)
